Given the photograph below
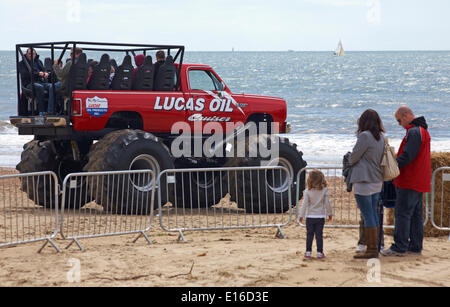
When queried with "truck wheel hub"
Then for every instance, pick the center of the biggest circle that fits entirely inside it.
(279, 181)
(143, 182)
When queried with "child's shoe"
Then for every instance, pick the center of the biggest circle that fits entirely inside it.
(308, 255)
(320, 255)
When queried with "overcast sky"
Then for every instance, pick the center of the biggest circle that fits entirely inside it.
(248, 25)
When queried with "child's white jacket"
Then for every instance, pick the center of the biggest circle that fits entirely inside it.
(316, 204)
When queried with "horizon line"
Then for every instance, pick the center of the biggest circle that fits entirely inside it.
(292, 50)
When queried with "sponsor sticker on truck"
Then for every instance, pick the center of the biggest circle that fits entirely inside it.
(215, 105)
(96, 106)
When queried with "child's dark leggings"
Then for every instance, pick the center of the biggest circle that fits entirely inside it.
(314, 226)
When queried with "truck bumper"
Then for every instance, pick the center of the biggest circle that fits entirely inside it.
(39, 121)
(42, 125)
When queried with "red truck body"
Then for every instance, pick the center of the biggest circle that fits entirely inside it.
(91, 110)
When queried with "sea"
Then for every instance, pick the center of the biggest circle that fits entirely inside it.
(325, 94)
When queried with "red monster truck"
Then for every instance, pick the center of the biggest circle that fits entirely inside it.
(133, 121)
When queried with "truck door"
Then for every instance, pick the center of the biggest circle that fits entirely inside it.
(209, 102)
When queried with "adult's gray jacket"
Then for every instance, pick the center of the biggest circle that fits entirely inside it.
(366, 157)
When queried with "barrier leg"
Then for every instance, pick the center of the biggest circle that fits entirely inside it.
(280, 234)
(181, 236)
(142, 234)
(77, 242)
(52, 243)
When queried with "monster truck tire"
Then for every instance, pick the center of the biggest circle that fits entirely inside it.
(128, 150)
(38, 157)
(198, 189)
(267, 191)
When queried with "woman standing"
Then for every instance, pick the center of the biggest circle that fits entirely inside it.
(367, 176)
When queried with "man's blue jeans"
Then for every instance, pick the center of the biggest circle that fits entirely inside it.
(50, 97)
(408, 232)
(40, 89)
(368, 207)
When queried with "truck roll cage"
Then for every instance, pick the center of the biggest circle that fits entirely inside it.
(86, 46)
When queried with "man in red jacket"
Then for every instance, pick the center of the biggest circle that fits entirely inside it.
(415, 179)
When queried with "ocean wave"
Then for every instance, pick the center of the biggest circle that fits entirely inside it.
(7, 128)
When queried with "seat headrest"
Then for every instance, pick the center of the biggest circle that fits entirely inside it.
(148, 60)
(169, 60)
(47, 61)
(127, 61)
(104, 59)
(82, 58)
(113, 63)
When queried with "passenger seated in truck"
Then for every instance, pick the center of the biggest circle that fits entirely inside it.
(160, 60)
(92, 64)
(138, 60)
(113, 64)
(40, 79)
(62, 73)
(112, 74)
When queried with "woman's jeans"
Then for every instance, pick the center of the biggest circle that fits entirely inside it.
(314, 227)
(367, 204)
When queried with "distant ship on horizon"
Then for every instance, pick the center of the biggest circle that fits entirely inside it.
(339, 50)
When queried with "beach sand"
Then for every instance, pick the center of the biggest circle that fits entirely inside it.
(237, 257)
(249, 257)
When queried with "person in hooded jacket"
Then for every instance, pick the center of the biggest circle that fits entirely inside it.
(138, 60)
(414, 161)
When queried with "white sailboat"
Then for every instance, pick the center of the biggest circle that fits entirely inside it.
(339, 50)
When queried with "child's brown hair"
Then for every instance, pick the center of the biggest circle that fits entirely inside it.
(316, 180)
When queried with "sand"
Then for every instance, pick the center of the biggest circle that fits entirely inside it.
(250, 257)
(237, 257)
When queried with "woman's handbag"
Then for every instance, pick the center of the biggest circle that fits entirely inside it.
(389, 164)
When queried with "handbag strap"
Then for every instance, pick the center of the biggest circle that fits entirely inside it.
(385, 148)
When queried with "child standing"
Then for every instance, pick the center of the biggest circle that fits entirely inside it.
(316, 207)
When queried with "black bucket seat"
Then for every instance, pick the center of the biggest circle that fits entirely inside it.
(143, 81)
(165, 79)
(100, 75)
(123, 77)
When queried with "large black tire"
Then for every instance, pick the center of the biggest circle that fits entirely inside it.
(128, 150)
(200, 189)
(40, 156)
(267, 191)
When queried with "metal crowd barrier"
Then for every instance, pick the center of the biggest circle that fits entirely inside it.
(224, 198)
(107, 204)
(122, 202)
(442, 212)
(345, 209)
(29, 209)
